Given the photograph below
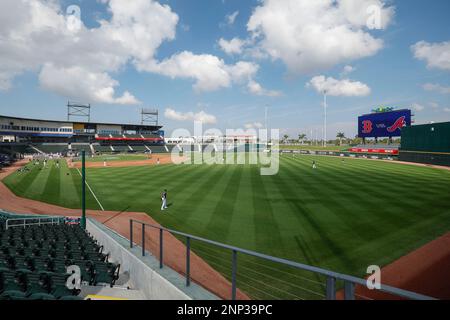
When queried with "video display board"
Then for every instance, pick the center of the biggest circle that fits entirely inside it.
(384, 124)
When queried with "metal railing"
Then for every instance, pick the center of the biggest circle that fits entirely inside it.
(32, 221)
(331, 277)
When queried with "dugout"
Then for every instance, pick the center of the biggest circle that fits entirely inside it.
(428, 143)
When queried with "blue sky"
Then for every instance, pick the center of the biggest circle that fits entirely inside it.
(393, 73)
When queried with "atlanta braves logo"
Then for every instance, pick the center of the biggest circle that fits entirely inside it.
(367, 126)
(400, 123)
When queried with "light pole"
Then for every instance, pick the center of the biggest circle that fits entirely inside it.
(265, 116)
(324, 118)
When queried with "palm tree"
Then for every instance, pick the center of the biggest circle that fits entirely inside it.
(285, 138)
(301, 137)
(340, 136)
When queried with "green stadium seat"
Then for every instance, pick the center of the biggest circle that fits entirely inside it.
(34, 261)
(41, 296)
(13, 295)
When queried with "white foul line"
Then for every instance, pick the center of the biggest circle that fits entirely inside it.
(92, 192)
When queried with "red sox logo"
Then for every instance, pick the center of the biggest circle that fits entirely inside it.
(367, 126)
(400, 123)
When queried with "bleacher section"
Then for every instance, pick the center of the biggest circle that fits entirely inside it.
(151, 136)
(15, 148)
(139, 148)
(121, 148)
(78, 147)
(61, 148)
(157, 149)
(129, 143)
(102, 148)
(34, 260)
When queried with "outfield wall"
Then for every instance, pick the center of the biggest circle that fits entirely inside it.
(428, 143)
(341, 154)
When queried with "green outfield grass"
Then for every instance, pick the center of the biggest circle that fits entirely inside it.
(344, 216)
(115, 157)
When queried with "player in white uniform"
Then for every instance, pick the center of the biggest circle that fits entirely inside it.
(164, 200)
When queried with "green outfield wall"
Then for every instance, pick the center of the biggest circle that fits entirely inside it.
(428, 143)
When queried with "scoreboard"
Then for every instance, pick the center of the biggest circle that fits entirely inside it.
(383, 124)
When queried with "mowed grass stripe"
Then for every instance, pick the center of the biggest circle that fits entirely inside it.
(51, 191)
(264, 220)
(69, 194)
(202, 196)
(19, 182)
(383, 230)
(135, 192)
(351, 208)
(219, 220)
(317, 216)
(36, 187)
(241, 219)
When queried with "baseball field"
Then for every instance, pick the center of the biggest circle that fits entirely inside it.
(344, 216)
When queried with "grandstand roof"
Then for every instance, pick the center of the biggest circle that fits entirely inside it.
(149, 127)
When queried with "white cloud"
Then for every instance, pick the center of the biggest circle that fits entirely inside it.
(334, 87)
(447, 109)
(417, 107)
(436, 87)
(75, 82)
(256, 89)
(36, 36)
(436, 55)
(433, 105)
(209, 72)
(347, 70)
(314, 35)
(190, 116)
(234, 46)
(231, 18)
(254, 125)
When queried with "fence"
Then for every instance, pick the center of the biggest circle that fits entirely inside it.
(321, 277)
(24, 222)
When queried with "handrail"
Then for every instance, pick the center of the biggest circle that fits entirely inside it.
(332, 276)
(53, 220)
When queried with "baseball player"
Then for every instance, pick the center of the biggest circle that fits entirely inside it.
(164, 200)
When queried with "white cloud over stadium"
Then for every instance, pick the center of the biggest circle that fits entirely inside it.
(334, 87)
(81, 62)
(309, 36)
(201, 116)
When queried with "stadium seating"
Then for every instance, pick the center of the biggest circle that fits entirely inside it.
(153, 135)
(133, 136)
(139, 148)
(33, 261)
(78, 147)
(102, 148)
(48, 148)
(157, 149)
(11, 149)
(121, 148)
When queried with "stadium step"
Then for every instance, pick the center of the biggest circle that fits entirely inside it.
(36, 149)
(107, 293)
